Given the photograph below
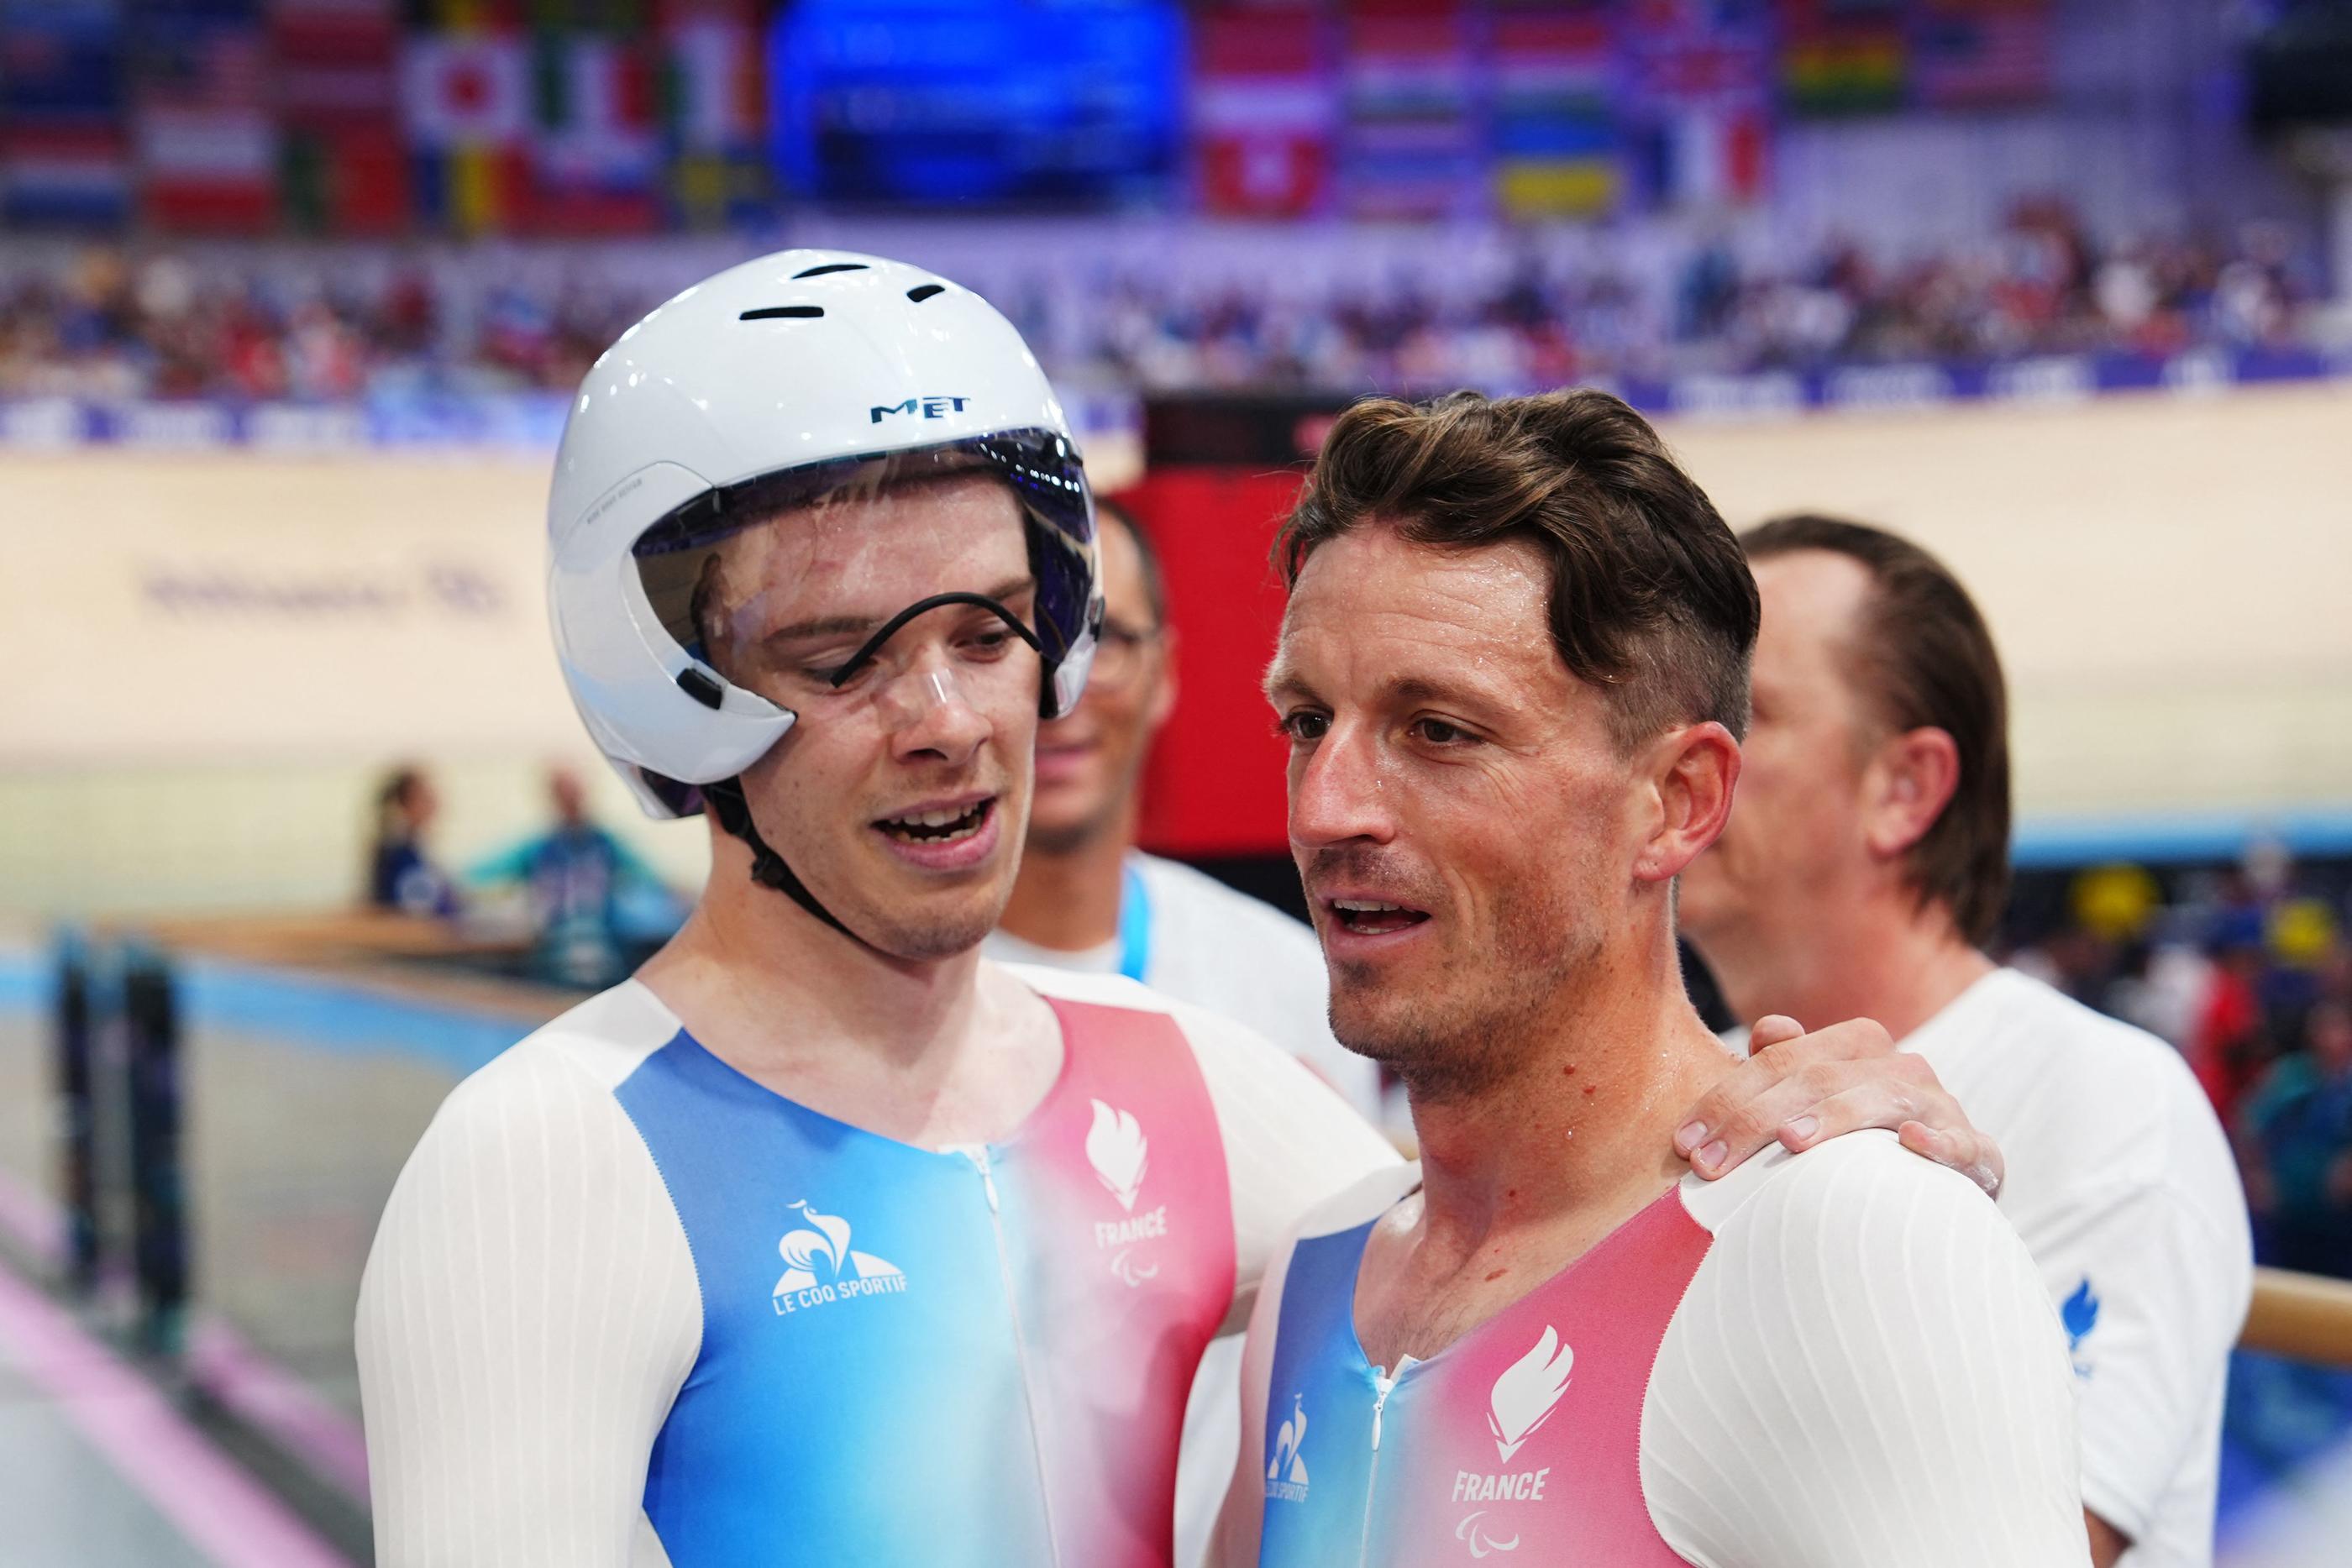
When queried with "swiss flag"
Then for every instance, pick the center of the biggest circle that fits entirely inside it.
(1264, 174)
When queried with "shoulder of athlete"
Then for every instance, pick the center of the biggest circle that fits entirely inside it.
(566, 1067)
(1220, 1043)
(1864, 1328)
(1828, 1181)
(1244, 1069)
(1360, 1201)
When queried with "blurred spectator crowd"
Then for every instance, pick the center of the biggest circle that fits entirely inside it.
(318, 326)
(2249, 973)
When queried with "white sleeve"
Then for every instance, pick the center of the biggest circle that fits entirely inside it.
(1866, 1370)
(2152, 1287)
(1291, 1142)
(528, 1313)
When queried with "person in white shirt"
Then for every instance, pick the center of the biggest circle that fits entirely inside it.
(1087, 899)
(1866, 860)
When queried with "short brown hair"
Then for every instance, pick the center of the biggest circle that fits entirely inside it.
(1651, 599)
(1922, 657)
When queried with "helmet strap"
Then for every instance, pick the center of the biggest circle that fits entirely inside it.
(726, 800)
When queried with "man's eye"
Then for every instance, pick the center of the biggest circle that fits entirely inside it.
(831, 674)
(1437, 732)
(1306, 726)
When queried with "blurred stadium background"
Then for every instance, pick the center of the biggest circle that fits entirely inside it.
(293, 294)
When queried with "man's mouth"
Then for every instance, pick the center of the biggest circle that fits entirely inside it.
(1370, 917)
(943, 825)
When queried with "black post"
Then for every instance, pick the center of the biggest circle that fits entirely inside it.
(77, 1110)
(159, 1210)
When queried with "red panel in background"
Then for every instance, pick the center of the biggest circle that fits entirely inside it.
(1215, 783)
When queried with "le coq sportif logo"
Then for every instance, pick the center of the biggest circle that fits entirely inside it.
(821, 1268)
(1286, 1471)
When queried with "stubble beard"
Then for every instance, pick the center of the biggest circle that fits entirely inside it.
(1465, 1041)
(930, 941)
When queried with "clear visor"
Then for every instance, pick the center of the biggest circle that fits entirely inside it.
(894, 585)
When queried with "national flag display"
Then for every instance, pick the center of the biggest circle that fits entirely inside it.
(205, 142)
(562, 117)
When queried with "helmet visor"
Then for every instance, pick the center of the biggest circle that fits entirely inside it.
(716, 571)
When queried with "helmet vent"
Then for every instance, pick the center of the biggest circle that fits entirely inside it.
(923, 291)
(784, 313)
(831, 267)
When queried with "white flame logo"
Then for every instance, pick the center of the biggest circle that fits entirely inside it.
(829, 1240)
(1527, 1392)
(1117, 1150)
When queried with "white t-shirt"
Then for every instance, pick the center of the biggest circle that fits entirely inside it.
(1232, 953)
(2122, 1184)
(1837, 1359)
(534, 1302)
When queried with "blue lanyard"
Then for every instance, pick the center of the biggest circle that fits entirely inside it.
(1134, 924)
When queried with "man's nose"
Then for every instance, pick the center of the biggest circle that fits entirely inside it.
(1340, 791)
(932, 717)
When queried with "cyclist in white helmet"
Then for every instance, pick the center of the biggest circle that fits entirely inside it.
(822, 1240)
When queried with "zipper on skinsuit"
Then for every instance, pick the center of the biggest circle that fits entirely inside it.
(1382, 1386)
(978, 1155)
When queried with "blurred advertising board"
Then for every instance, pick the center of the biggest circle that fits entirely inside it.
(210, 607)
(1107, 418)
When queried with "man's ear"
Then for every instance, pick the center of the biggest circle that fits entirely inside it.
(1905, 788)
(1694, 771)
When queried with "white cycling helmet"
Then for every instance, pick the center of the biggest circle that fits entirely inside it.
(764, 388)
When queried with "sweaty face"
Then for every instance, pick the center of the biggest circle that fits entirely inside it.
(900, 795)
(1459, 819)
(1088, 762)
(1795, 837)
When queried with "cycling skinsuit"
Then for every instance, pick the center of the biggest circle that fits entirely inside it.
(914, 1357)
(1523, 1434)
(1833, 1360)
(628, 1308)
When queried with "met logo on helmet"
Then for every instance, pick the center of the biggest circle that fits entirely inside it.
(939, 405)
